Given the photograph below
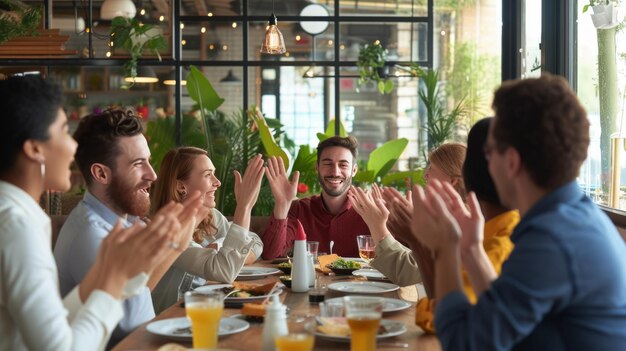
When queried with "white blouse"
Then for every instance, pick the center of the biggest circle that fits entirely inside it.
(32, 314)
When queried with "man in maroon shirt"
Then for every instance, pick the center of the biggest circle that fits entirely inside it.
(327, 217)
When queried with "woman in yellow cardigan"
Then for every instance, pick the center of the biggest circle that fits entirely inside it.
(398, 263)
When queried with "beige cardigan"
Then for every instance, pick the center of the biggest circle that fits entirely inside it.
(221, 266)
(396, 262)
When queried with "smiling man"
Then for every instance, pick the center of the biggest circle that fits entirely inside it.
(113, 157)
(327, 217)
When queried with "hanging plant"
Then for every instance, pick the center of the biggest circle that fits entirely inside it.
(135, 37)
(371, 63)
(20, 20)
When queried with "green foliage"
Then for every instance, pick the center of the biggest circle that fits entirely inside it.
(161, 136)
(201, 91)
(267, 139)
(371, 62)
(472, 79)
(23, 21)
(381, 161)
(440, 124)
(330, 131)
(398, 180)
(594, 3)
(304, 163)
(132, 35)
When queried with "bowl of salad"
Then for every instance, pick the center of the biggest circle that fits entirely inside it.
(343, 267)
(285, 267)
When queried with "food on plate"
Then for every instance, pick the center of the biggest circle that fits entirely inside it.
(325, 260)
(338, 326)
(344, 264)
(334, 326)
(248, 289)
(172, 347)
(253, 312)
(286, 279)
(285, 267)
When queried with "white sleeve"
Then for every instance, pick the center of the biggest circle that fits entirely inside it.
(223, 229)
(34, 302)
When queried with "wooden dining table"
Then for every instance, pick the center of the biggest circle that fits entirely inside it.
(250, 339)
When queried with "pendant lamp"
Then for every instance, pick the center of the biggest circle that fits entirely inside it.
(230, 78)
(273, 43)
(113, 8)
(144, 75)
(171, 78)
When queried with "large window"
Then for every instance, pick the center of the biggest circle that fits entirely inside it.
(314, 83)
(601, 87)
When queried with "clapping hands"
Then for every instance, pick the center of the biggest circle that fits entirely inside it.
(247, 187)
(371, 207)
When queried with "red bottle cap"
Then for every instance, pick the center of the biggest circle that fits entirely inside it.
(300, 234)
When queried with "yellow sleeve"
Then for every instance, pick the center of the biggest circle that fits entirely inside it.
(498, 249)
(424, 315)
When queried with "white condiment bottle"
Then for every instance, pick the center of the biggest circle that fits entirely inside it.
(274, 323)
(300, 266)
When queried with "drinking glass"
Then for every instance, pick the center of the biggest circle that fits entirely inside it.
(204, 310)
(301, 335)
(312, 247)
(363, 314)
(367, 247)
(331, 309)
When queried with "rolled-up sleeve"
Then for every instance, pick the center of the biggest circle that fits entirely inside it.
(396, 262)
(222, 265)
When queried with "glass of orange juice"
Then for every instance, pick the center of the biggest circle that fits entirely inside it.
(204, 310)
(300, 337)
(363, 314)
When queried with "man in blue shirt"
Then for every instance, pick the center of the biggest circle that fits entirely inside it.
(564, 285)
(113, 157)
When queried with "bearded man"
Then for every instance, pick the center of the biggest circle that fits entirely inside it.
(325, 218)
(113, 156)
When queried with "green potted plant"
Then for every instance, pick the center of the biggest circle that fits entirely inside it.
(135, 37)
(19, 20)
(371, 63)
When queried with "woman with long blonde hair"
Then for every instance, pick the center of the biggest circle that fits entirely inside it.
(218, 250)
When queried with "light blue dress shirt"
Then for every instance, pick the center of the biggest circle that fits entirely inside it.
(77, 248)
(562, 288)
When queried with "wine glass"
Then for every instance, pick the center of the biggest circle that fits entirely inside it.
(367, 247)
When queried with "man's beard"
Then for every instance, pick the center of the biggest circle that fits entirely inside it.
(126, 197)
(334, 193)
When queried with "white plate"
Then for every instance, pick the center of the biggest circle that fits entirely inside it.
(392, 328)
(370, 274)
(363, 287)
(389, 304)
(231, 299)
(168, 327)
(249, 273)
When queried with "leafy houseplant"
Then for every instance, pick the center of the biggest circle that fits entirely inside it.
(135, 37)
(440, 124)
(371, 63)
(21, 20)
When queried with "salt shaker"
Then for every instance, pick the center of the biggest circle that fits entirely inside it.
(275, 323)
